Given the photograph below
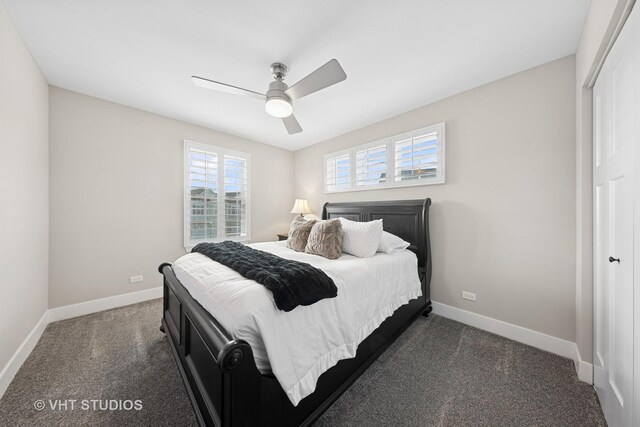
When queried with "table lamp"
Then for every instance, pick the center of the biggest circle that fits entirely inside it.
(301, 207)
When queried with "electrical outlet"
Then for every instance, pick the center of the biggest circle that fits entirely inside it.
(468, 295)
(135, 279)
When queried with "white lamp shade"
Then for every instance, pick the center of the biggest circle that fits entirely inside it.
(300, 207)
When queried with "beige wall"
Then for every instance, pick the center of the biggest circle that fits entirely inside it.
(116, 194)
(603, 22)
(98, 212)
(503, 226)
(24, 211)
(128, 216)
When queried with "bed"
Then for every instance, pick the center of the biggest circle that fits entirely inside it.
(220, 373)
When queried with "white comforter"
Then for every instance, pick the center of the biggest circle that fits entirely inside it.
(298, 346)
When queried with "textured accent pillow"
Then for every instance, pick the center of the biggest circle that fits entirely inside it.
(325, 239)
(390, 243)
(361, 239)
(299, 233)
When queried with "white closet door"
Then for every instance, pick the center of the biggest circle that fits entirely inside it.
(616, 131)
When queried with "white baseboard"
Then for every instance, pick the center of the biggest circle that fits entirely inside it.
(539, 340)
(88, 307)
(11, 368)
(67, 312)
(584, 369)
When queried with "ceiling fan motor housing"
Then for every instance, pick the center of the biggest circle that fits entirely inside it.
(276, 90)
(277, 87)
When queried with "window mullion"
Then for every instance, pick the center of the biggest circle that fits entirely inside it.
(391, 164)
(352, 165)
(205, 197)
(187, 196)
(221, 192)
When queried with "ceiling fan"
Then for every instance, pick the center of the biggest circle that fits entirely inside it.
(279, 97)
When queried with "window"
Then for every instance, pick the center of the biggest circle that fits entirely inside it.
(338, 173)
(417, 157)
(412, 158)
(371, 165)
(216, 194)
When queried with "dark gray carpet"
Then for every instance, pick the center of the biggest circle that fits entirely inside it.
(438, 373)
(113, 355)
(443, 373)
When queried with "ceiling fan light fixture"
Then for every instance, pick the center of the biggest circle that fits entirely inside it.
(278, 107)
(279, 97)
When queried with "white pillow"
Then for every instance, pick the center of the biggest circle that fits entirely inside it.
(391, 243)
(361, 239)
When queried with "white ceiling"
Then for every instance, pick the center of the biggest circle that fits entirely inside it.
(398, 55)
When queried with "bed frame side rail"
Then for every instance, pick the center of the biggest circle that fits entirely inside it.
(219, 372)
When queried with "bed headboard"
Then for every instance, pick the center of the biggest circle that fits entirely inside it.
(407, 219)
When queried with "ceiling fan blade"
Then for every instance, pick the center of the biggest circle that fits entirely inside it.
(291, 124)
(223, 87)
(325, 76)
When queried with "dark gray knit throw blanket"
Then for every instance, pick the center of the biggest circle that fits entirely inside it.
(292, 283)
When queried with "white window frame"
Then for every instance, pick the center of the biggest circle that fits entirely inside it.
(390, 171)
(220, 152)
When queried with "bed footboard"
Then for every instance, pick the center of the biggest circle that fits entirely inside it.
(219, 372)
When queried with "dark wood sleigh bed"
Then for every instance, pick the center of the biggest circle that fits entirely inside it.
(220, 375)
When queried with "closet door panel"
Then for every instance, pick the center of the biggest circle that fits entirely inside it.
(601, 242)
(634, 158)
(615, 132)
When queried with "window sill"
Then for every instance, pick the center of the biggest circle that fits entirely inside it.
(386, 187)
(188, 248)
